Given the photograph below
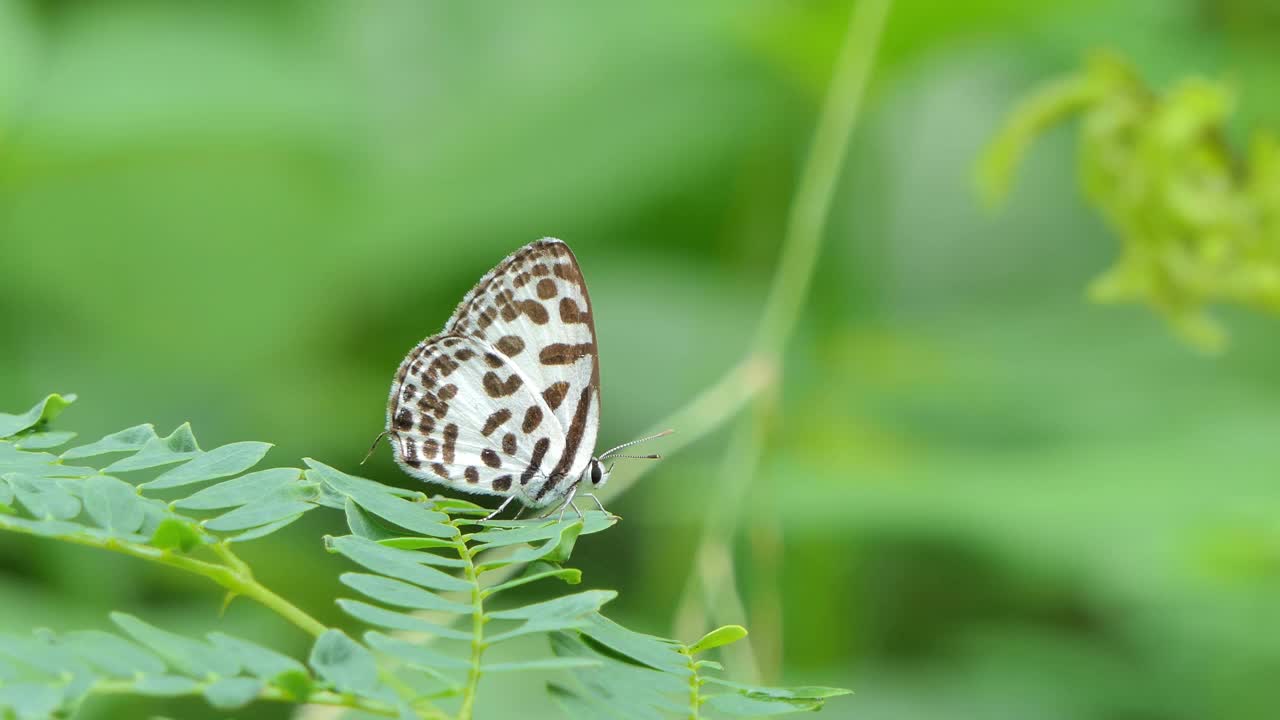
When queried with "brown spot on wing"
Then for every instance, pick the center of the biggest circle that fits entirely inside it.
(493, 361)
(408, 393)
(566, 271)
(442, 365)
(509, 443)
(572, 439)
(494, 420)
(465, 354)
(546, 288)
(502, 483)
(431, 403)
(564, 354)
(490, 458)
(534, 309)
(440, 470)
(472, 475)
(430, 448)
(539, 452)
(450, 437)
(499, 388)
(532, 418)
(554, 394)
(404, 419)
(571, 313)
(427, 425)
(411, 453)
(509, 345)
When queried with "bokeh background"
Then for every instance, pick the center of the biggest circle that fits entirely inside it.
(981, 497)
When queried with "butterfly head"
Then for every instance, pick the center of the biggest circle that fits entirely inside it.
(597, 473)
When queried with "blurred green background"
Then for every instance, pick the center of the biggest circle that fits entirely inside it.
(982, 497)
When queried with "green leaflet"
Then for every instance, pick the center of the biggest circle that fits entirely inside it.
(127, 440)
(400, 594)
(232, 693)
(43, 440)
(259, 514)
(217, 463)
(513, 532)
(228, 672)
(192, 657)
(166, 685)
(30, 701)
(262, 662)
(177, 446)
(264, 530)
(564, 663)
(379, 500)
(647, 678)
(539, 571)
(717, 638)
(113, 504)
(113, 655)
(569, 606)
(43, 499)
(417, 655)
(404, 564)
(344, 663)
(392, 620)
(244, 490)
(615, 688)
(562, 613)
(655, 652)
(42, 412)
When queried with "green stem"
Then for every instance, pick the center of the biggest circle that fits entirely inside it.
(477, 624)
(240, 580)
(800, 249)
(812, 204)
(234, 576)
(695, 687)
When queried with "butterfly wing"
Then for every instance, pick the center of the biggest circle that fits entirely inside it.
(461, 414)
(534, 308)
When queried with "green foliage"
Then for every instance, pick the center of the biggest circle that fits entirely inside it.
(434, 582)
(640, 676)
(1199, 221)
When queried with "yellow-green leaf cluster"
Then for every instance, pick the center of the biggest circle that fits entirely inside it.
(1198, 220)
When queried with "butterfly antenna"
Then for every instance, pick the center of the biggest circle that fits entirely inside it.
(374, 446)
(608, 452)
(655, 456)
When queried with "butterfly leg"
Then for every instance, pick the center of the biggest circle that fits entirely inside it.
(598, 503)
(568, 503)
(501, 507)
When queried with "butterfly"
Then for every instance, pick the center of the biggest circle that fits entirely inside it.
(505, 400)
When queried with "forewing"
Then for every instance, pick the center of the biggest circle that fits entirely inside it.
(534, 308)
(462, 414)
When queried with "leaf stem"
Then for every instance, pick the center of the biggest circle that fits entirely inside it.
(234, 575)
(695, 686)
(477, 623)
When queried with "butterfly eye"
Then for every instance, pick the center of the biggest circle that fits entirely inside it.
(596, 472)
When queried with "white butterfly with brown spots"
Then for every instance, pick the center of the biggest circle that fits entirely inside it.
(506, 399)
